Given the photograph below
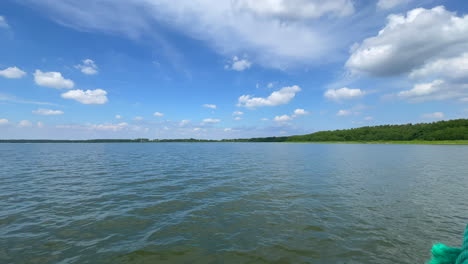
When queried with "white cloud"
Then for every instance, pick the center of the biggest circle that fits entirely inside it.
(238, 113)
(97, 96)
(211, 121)
(238, 64)
(12, 73)
(275, 33)
(110, 127)
(280, 97)
(410, 41)
(158, 114)
(423, 89)
(138, 118)
(270, 85)
(184, 123)
(102, 127)
(264, 119)
(434, 91)
(24, 123)
(197, 129)
(343, 94)
(296, 9)
(450, 68)
(388, 4)
(3, 22)
(52, 80)
(237, 118)
(14, 99)
(88, 67)
(435, 115)
(212, 106)
(47, 112)
(40, 124)
(118, 117)
(344, 113)
(228, 130)
(368, 118)
(283, 118)
(4, 121)
(299, 112)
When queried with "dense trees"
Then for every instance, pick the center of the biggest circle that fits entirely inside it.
(442, 130)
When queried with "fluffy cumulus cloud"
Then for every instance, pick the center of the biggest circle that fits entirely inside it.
(12, 73)
(212, 106)
(43, 111)
(435, 115)
(238, 113)
(4, 121)
(410, 41)
(97, 96)
(280, 97)
(388, 4)
(158, 114)
(283, 118)
(88, 67)
(138, 118)
(238, 64)
(299, 112)
(343, 94)
(52, 80)
(453, 68)
(3, 22)
(118, 117)
(275, 33)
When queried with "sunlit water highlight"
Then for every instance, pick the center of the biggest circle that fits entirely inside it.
(230, 202)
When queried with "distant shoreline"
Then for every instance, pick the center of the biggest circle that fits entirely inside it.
(451, 132)
(393, 142)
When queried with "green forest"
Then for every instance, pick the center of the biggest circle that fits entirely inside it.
(437, 131)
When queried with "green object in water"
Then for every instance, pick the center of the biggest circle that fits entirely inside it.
(441, 254)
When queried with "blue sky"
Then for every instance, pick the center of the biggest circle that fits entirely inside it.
(78, 69)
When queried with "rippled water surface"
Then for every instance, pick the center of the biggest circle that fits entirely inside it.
(230, 202)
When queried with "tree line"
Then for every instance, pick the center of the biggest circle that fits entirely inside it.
(442, 130)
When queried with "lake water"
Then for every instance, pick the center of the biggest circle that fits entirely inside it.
(230, 202)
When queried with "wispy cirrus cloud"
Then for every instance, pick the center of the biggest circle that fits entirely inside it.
(3, 22)
(43, 111)
(14, 99)
(275, 33)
